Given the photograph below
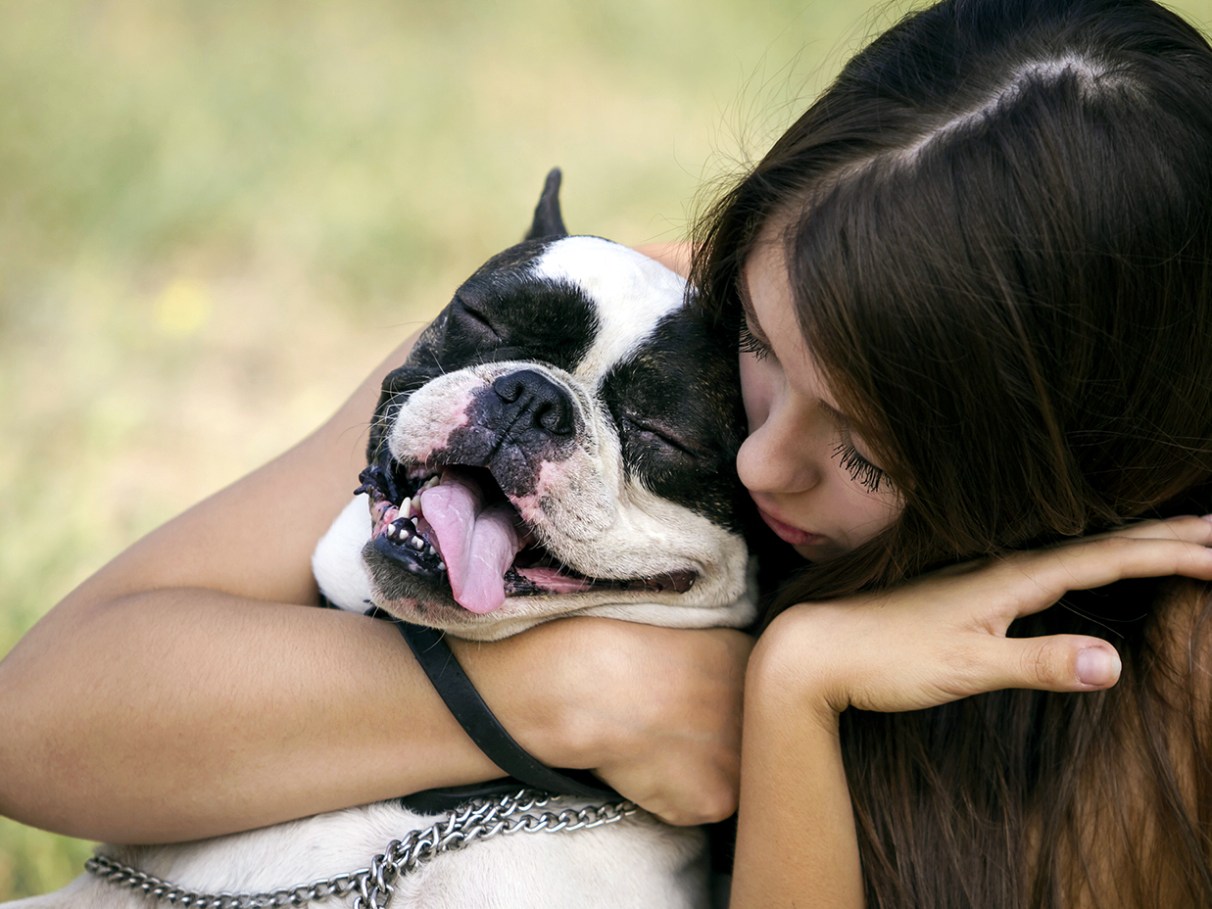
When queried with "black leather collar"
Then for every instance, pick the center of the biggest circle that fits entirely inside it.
(477, 719)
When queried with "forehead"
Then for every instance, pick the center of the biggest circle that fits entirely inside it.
(768, 305)
(765, 296)
(629, 291)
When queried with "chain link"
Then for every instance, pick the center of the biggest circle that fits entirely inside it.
(521, 812)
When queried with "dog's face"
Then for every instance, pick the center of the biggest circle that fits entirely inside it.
(561, 440)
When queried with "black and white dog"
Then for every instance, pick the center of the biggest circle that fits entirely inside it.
(560, 441)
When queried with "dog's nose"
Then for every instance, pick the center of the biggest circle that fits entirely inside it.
(531, 395)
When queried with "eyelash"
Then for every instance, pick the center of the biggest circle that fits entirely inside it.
(752, 344)
(860, 469)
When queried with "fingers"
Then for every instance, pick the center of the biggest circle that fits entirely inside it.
(699, 805)
(1178, 546)
(1188, 528)
(1036, 580)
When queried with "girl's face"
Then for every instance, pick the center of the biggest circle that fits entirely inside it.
(809, 475)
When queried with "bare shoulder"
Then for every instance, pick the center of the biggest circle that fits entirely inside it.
(676, 255)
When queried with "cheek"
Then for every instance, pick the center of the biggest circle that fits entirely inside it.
(870, 514)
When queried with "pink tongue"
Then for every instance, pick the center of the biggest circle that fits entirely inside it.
(477, 545)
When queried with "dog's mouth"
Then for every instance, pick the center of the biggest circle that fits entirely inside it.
(457, 527)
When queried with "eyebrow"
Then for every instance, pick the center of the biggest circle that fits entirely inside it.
(838, 417)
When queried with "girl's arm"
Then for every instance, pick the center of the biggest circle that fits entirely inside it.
(180, 692)
(932, 641)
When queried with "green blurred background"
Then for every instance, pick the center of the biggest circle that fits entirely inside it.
(216, 217)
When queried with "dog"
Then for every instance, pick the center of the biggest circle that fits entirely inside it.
(560, 441)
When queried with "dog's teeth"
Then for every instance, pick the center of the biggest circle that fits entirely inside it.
(417, 543)
(406, 508)
(430, 483)
(441, 566)
(400, 531)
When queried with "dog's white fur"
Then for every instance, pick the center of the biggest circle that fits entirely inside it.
(639, 290)
(591, 519)
(524, 868)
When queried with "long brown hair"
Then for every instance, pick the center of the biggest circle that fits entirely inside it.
(999, 237)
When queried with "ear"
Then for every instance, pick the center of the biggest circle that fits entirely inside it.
(547, 219)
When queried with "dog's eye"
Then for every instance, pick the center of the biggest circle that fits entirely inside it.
(473, 322)
(651, 432)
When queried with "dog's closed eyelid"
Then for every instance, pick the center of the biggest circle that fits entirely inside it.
(470, 310)
(472, 319)
(662, 434)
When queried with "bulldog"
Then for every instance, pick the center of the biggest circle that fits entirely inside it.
(560, 441)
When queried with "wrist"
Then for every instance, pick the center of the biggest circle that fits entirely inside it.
(793, 666)
(533, 684)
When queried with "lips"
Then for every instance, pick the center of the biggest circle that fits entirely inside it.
(788, 533)
(456, 529)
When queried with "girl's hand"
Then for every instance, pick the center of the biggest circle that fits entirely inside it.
(677, 744)
(655, 711)
(943, 636)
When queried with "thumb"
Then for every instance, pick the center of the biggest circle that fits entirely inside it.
(1059, 662)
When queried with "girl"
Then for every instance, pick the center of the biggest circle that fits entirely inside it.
(973, 288)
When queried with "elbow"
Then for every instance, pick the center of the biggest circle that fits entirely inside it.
(27, 753)
(42, 764)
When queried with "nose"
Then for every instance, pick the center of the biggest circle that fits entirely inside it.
(776, 458)
(534, 401)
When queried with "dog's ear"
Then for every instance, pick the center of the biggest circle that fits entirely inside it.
(548, 222)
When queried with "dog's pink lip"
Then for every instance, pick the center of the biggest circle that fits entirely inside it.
(789, 533)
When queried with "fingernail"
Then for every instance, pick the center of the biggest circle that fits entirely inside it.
(1098, 666)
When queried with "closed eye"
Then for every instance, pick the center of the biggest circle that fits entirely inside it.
(474, 321)
(661, 436)
(750, 343)
(862, 471)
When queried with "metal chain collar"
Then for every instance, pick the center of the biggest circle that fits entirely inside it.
(374, 886)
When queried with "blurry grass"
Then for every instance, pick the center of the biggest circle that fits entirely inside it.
(216, 217)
